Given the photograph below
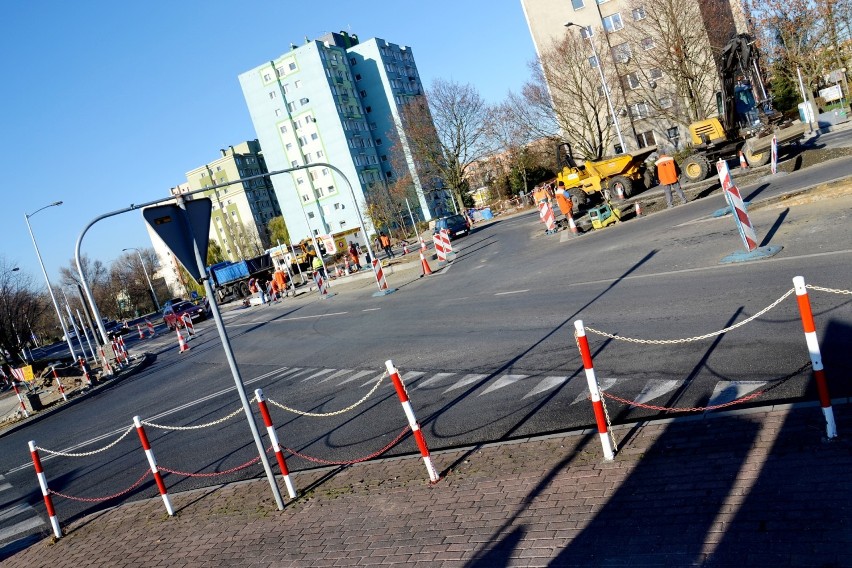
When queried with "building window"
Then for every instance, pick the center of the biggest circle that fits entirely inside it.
(587, 32)
(310, 214)
(639, 13)
(291, 66)
(648, 43)
(362, 93)
(297, 84)
(320, 154)
(305, 198)
(639, 110)
(289, 146)
(353, 61)
(272, 94)
(357, 76)
(613, 23)
(278, 112)
(267, 77)
(655, 73)
(304, 101)
(378, 141)
(283, 129)
(294, 163)
(666, 102)
(622, 53)
(291, 106)
(593, 61)
(646, 139)
(314, 136)
(631, 81)
(369, 109)
(577, 4)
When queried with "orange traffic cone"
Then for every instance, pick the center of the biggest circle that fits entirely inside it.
(424, 265)
(184, 346)
(743, 163)
(638, 207)
(572, 225)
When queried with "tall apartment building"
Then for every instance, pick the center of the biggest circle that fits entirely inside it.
(241, 212)
(718, 19)
(332, 100)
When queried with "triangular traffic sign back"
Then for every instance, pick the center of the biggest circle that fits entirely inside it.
(177, 228)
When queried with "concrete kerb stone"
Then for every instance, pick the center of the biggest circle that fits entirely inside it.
(135, 366)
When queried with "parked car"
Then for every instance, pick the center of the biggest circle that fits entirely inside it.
(173, 314)
(455, 225)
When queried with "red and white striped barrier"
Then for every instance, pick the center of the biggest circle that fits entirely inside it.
(58, 382)
(572, 225)
(438, 240)
(151, 332)
(86, 370)
(594, 390)
(424, 265)
(814, 352)
(184, 346)
(152, 462)
(20, 399)
(139, 329)
(380, 275)
(187, 323)
(545, 213)
(412, 421)
(735, 200)
(124, 349)
(276, 447)
(45, 491)
(743, 163)
(774, 161)
(119, 354)
(322, 285)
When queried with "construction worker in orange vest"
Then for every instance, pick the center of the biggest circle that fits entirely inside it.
(667, 174)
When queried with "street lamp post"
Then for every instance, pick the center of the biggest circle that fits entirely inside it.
(46, 279)
(603, 84)
(145, 272)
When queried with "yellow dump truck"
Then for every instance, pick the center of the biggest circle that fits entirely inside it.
(619, 174)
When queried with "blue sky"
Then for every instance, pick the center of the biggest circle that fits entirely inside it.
(108, 104)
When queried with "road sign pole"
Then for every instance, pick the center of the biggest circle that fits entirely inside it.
(229, 353)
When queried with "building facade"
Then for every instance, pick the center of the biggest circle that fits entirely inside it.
(647, 97)
(332, 100)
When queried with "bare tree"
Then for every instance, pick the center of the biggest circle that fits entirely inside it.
(565, 97)
(447, 131)
(23, 311)
(668, 59)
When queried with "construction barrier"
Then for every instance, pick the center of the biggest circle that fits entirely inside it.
(190, 328)
(442, 245)
(151, 332)
(545, 213)
(20, 399)
(380, 275)
(773, 164)
(735, 200)
(276, 446)
(59, 383)
(412, 421)
(743, 163)
(139, 329)
(322, 285)
(86, 371)
(184, 346)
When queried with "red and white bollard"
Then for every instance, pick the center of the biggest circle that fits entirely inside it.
(58, 382)
(422, 242)
(86, 370)
(123, 349)
(412, 421)
(105, 364)
(139, 329)
(151, 332)
(149, 453)
(20, 399)
(184, 346)
(597, 403)
(743, 163)
(276, 447)
(816, 357)
(119, 356)
(572, 225)
(405, 249)
(45, 491)
(638, 208)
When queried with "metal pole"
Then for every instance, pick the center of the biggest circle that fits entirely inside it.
(229, 353)
(86, 335)
(46, 279)
(413, 222)
(605, 88)
(808, 110)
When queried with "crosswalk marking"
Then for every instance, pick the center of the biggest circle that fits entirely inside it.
(603, 384)
(503, 381)
(654, 389)
(726, 391)
(16, 510)
(546, 384)
(27, 515)
(339, 373)
(466, 380)
(21, 527)
(356, 376)
(435, 379)
(319, 373)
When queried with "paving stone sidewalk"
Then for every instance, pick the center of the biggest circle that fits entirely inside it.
(758, 487)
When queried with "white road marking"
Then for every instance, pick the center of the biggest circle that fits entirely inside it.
(466, 380)
(546, 384)
(21, 527)
(285, 320)
(371, 309)
(432, 380)
(356, 376)
(19, 509)
(318, 374)
(654, 389)
(726, 391)
(503, 381)
(604, 384)
(512, 292)
(339, 373)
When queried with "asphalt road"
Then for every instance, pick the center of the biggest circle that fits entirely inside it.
(486, 347)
